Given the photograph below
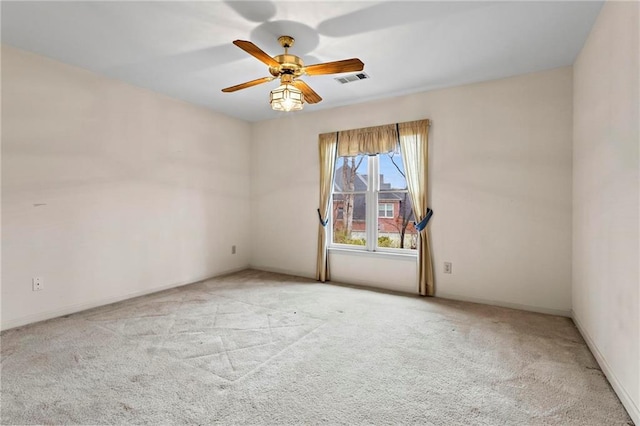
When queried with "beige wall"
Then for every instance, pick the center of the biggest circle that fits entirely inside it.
(500, 181)
(109, 191)
(606, 192)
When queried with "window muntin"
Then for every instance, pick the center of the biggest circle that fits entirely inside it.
(371, 206)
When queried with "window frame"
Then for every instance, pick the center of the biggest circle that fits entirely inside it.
(371, 215)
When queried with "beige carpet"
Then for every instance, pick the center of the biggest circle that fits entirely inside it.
(261, 348)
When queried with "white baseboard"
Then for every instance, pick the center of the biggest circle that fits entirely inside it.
(362, 283)
(283, 271)
(622, 393)
(351, 282)
(530, 308)
(72, 309)
(368, 285)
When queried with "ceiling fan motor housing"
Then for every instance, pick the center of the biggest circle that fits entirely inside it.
(289, 64)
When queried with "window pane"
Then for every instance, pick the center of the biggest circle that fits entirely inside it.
(349, 219)
(351, 174)
(395, 227)
(392, 176)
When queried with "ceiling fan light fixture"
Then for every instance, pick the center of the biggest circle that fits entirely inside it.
(287, 98)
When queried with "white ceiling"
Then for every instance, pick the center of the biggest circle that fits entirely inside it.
(184, 50)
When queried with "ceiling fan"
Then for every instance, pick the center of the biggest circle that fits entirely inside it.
(292, 92)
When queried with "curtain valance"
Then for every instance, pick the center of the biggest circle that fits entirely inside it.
(375, 140)
(368, 141)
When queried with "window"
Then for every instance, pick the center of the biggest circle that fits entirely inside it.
(371, 205)
(385, 210)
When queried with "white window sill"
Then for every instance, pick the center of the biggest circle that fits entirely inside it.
(411, 256)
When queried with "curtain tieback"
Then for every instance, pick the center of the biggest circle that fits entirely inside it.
(322, 222)
(423, 223)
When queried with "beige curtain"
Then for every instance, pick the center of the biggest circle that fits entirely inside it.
(328, 146)
(368, 141)
(414, 145)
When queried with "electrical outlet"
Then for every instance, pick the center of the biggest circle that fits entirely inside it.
(37, 284)
(233, 249)
(447, 267)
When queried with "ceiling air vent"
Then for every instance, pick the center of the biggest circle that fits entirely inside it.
(351, 78)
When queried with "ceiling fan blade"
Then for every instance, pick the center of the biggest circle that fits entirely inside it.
(248, 84)
(256, 52)
(310, 96)
(346, 65)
